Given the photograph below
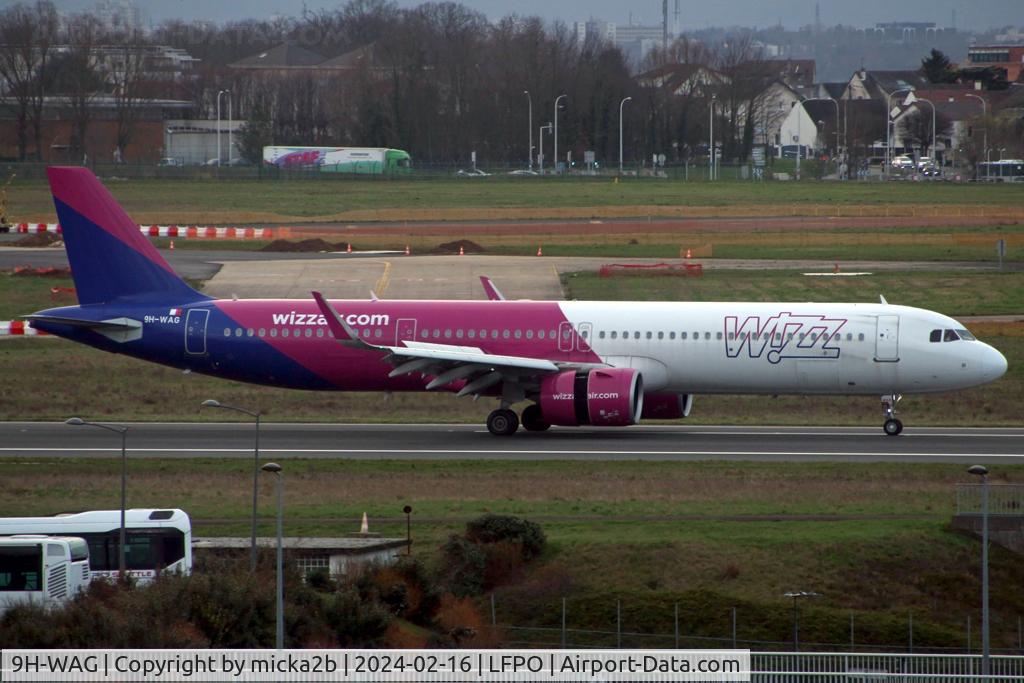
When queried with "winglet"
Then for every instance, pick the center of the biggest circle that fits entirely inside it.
(493, 293)
(341, 330)
(881, 300)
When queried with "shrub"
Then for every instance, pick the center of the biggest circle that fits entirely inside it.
(463, 567)
(498, 528)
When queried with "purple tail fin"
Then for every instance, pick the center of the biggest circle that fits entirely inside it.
(110, 258)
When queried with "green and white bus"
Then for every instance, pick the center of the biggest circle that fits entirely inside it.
(361, 160)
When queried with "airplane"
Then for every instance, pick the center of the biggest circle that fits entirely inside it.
(598, 363)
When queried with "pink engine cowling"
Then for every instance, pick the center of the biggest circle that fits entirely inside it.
(606, 397)
(661, 406)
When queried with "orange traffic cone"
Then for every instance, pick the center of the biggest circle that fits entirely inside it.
(349, 249)
(540, 251)
(462, 252)
(407, 251)
(689, 253)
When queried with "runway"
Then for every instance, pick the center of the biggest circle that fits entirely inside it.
(27, 440)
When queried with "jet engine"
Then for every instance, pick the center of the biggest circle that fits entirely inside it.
(664, 406)
(605, 397)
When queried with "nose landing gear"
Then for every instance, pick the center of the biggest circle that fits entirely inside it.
(892, 426)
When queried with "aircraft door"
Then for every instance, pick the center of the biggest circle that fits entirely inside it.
(887, 338)
(195, 331)
(565, 334)
(405, 331)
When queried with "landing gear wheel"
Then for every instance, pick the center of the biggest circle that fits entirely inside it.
(892, 427)
(502, 422)
(533, 421)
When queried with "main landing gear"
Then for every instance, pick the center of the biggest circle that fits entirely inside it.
(892, 426)
(504, 421)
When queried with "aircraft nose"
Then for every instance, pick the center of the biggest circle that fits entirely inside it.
(995, 363)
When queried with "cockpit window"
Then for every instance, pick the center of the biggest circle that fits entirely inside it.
(936, 336)
(950, 335)
(965, 335)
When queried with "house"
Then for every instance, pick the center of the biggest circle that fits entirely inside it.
(682, 79)
(336, 556)
(879, 85)
(283, 58)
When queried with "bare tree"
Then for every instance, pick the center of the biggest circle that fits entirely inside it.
(78, 78)
(27, 36)
(126, 80)
(916, 128)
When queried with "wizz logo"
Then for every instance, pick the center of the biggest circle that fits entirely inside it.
(783, 335)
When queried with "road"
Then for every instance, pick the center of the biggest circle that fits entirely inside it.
(22, 440)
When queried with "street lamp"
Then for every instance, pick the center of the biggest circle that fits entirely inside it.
(984, 115)
(540, 146)
(554, 154)
(982, 471)
(211, 403)
(123, 431)
(621, 105)
(274, 468)
(932, 105)
(796, 613)
(711, 139)
(408, 529)
(799, 144)
(529, 127)
(219, 93)
(888, 126)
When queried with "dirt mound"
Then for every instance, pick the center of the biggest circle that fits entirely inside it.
(304, 246)
(468, 246)
(41, 239)
(29, 271)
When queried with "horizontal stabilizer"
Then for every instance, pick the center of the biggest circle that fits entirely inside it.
(117, 329)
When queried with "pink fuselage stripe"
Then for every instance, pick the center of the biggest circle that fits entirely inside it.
(395, 321)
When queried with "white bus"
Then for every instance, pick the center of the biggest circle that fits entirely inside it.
(42, 569)
(156, 540)
(1005, 171)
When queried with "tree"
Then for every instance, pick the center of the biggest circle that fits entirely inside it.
(937, 68)
(27, 34)
(256, 133)
(126, 79)
(916, 127)
(78, 78)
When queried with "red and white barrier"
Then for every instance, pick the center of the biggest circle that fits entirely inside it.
(20, 328)
(175, 231)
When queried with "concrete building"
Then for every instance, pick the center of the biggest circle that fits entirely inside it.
(191, 141)
(336, 556)
(1009, 57)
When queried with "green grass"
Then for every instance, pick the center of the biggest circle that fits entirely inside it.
(311, 198)
(711, 535)
(955, 293)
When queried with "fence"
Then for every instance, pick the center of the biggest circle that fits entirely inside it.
(1003, 499)
(832, 667)
(617, 635)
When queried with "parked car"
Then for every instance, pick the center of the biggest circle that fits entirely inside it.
(523, 171)
(902, 162)
(170, 161)
(472, 173)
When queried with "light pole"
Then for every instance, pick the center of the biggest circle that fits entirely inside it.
(621, 105)
(529, 127)
(888, 126)
(982, 471)
(211, 403)
(932, 105)
(219, 93)
(554, 154)
(711, 139)
(123, 431)
(984, 115)
(796, 595)
(540, 147)
(274, 468)
(799, 144)
(231, 117)
(408, 529)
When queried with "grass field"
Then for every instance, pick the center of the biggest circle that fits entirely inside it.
(644, 532)
(237, 201)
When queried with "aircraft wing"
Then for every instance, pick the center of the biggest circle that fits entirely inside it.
(447, 363)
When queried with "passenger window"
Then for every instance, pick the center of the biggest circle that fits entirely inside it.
(319, 332)
(458, 333)
(614, 334)
(849, 336)
(636, 335)
(950, 335)
(437, 333)
(732, 335)
(672, 335)
(505, 334)
(424, 334)
(472, 334)
(263, 332)
(273, 331)
(529, 334)
(284, 332)
(552, 335)
(661, 335)
(518, 334)
(718, 335)
(936, 336)
(447, 334)
(707, 335)
(540, 334)
(649, 335)
(860, 337)
(309, 332)
(600, 335)
(682, 335)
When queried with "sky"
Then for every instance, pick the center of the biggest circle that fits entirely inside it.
(694, 14)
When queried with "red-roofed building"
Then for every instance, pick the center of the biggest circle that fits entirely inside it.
(1009, 57)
